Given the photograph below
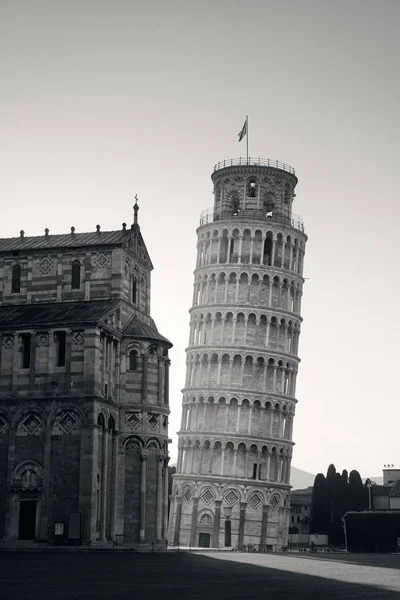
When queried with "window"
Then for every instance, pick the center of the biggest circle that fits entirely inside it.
(134, 290)
(76, 275)
(16, 279)
(133, 360)
(251, 188)
(60, 338)
(25, 350)
(255, 468)
(235, 205)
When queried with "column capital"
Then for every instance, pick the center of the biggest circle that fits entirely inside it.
(243, 505)
(218, 503)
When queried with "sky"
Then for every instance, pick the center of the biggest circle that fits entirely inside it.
(104, 99)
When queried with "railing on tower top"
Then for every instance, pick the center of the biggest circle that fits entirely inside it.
(210, 216)
(263, 162)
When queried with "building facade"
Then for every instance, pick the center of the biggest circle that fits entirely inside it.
(235, 444)
(300, 511)
(83, 390)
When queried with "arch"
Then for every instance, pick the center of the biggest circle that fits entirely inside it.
(101, 420)
(251, 187)
(133, 360)
(76, 275)
(16, 279)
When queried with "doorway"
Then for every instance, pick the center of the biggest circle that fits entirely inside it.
(27, 519)
(204, 540)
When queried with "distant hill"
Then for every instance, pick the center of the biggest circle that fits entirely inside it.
(301, 479)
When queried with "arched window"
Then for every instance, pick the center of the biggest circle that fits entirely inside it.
(76, 275)
(235, 203)
(134, 290)
(133, 360)
(16, 279)
(251, 187)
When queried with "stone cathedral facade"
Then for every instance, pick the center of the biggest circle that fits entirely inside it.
(83, 390)
(232, 485)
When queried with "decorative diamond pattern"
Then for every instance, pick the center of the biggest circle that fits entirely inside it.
(3, 425)
(274, 502)
(153, 421)
(231, 497)
(31, 423)
(45, 265)
(78, 338)
(42, 340)
(255, 499)
(153, 357)
(68, 422)
(101, 260)
(134, 420)
(208, 496)
(8, 341)
(188, 495)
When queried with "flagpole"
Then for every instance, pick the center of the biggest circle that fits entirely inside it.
(247, 138)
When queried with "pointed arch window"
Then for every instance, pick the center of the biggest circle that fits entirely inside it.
(134, 290)
(76, 275)
(16, 279)
(133, 360)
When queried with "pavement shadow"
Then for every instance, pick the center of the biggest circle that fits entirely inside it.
(165, 576)
(387, 561)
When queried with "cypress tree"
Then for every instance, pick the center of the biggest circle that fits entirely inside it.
(356, 500)
(330, 483)
(319, 505)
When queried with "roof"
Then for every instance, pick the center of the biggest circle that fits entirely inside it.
(136, 328)
(57, 313)
(380, 490)
(395, 491)
(65, 240)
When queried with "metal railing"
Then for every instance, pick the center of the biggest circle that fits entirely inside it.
(209, 215)
(262, 162)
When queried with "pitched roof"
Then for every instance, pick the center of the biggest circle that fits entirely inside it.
(136, 328)
(65, 240)
(57, 313)
(380, 490)
(395, 491)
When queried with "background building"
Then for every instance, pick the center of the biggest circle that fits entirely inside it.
(83, 389)
(300, 511)
(235, 444)
(386, 496)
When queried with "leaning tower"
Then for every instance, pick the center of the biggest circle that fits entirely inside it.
(232, 482)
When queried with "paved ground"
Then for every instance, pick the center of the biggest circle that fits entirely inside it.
(209, 576)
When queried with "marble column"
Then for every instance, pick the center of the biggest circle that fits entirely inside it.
(178, 520)
(242, 519)
(165, 510)
(160, 496)
(264, 527)
(143, 498)
(217, 524)
(194, 522)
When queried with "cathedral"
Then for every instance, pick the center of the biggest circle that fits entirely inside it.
(84, 379)
(232, 483)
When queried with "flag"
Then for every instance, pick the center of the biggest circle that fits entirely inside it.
(243, 131)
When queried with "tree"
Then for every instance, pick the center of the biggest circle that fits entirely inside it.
(330, 485)
(356, 499)
(319, 506)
